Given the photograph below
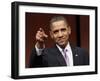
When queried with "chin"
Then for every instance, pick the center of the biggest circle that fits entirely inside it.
(62, 45)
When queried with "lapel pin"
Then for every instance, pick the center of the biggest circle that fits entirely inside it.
(76, 55)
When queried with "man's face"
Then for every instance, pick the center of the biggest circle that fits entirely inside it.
(60, 32)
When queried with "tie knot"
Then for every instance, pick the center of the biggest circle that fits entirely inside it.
(64, 50)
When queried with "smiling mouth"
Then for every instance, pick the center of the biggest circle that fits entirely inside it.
(61, 40)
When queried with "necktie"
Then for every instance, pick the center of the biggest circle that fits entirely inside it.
(66, 57)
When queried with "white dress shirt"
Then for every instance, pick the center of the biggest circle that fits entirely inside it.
(68, 53)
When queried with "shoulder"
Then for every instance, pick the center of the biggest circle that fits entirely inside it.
(50, 50)
(81, 49)
(78, 50)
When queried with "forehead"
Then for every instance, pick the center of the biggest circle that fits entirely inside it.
(58, 24)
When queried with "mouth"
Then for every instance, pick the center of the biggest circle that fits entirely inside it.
(62, 40)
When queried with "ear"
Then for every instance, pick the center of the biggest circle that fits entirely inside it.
(69, 29)
(51, 34)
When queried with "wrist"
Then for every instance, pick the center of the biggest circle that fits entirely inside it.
(40, 45)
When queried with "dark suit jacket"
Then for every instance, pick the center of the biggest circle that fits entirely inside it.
(53, 57)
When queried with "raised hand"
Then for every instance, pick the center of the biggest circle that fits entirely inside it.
(40, 38)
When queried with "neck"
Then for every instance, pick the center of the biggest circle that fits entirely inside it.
(63, 46)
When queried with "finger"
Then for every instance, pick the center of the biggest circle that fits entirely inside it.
(39, 38)
(39, 35)
(42, 33)
(41, 30)
(45, 35)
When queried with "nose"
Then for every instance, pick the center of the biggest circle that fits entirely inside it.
(60, 34)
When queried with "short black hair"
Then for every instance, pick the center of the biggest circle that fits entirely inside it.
(58, 18)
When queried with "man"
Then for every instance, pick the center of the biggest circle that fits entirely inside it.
(63, 53)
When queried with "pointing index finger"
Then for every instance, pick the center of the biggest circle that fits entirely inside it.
(40, 29)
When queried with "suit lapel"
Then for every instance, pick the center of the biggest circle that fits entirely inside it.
(59, 56)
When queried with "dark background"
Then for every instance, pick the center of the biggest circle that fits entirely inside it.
(79, 30)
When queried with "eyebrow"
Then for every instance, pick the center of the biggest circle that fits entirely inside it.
(55, 31)
(63, 28)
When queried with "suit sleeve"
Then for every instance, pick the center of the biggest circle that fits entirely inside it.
(35, 60)
(86, 58)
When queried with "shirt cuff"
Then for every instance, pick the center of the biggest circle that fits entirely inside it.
(39, 51)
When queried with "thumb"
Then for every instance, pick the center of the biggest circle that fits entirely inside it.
(45, 35)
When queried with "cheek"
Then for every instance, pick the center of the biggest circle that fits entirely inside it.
(54, 37)
(66, 34)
